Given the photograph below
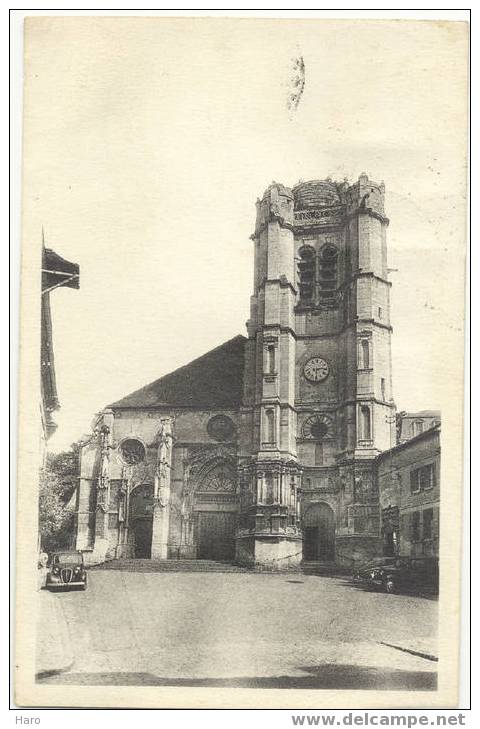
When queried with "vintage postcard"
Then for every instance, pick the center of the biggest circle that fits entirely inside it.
(242, 351)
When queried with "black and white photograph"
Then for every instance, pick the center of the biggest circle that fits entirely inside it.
(241, 367)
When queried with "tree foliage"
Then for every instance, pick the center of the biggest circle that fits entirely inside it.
(58, 482)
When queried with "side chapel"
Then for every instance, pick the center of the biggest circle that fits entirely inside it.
(263, 450)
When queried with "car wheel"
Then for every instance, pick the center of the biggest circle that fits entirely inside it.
(390, 586)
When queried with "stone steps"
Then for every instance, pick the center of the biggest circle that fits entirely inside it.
(323, 568)
(207, 565)
(171, 565)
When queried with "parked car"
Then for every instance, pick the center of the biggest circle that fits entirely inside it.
(406, 574)
(67, 570)
(363, 572)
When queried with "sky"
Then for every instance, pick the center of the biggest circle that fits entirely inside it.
(147, 142)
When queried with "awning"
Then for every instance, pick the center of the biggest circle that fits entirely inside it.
(56, 271)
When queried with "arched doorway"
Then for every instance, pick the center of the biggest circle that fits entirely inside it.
(319, 533)
(390, 530)
(216, 513)
(141, 520)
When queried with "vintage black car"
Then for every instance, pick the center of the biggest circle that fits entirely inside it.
(404, 574)
(67, 571)
(363, 572)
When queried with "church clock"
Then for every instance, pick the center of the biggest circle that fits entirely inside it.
(316, 369)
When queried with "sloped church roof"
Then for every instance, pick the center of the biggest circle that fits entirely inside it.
(213, 380)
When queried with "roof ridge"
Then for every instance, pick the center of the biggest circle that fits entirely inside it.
(201, 356)
(189, 393)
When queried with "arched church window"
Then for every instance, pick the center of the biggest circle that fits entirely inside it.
(270, 426)
(366, 422)
(268, 488)
(417, 427)
(328, 270)
(365, 354)
(306, 274)
(219, 479)
(319, 454)
(382, 388)
(271, 359)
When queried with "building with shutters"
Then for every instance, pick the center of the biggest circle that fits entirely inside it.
(411, 424)
(409, 487)
(265, 450)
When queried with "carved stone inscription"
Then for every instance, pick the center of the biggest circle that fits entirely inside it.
(330, 216)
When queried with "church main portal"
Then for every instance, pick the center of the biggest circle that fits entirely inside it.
(141, 520)
(319, 533)
(215, 535)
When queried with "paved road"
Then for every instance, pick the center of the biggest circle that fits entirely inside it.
(249, 630)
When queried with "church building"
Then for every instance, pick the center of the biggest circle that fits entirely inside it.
(263, 451)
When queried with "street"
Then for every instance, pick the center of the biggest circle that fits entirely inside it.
(243, 629)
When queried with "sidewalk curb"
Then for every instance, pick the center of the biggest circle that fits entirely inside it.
(41, 675)
(419, 654)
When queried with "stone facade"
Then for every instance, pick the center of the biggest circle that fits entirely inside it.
(409, 486)
(191, 472)
(410, 425)
(265, 450)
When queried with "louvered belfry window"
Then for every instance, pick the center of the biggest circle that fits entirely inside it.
(328, 271)
(306, 275)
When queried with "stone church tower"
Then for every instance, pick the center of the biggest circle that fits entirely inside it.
(263, 450)
(318, 404)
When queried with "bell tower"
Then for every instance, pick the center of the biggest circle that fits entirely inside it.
(345, 408)
(318, 405)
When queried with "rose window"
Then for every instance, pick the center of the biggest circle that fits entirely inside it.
(132, 451)
(318, 427)
(221, 428)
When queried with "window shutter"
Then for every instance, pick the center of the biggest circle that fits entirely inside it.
(414, 481)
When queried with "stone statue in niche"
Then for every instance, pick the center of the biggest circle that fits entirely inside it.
(187, 503)
(164, 463)
(358, 488)
(186, 508)
(363, 486)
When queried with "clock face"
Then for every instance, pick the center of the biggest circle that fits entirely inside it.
(316, 369)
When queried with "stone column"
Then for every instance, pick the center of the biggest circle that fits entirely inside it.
(161, 495)
(105, 428)
(123, 512)
(259, 488)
